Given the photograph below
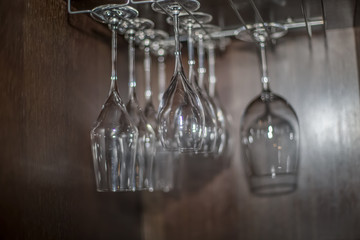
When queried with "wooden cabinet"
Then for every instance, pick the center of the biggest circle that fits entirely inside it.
(55, 72)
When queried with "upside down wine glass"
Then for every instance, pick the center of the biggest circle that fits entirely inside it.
(145, 38)
(269, 137)
(146, 141)
(114, 136)
(161, 49)
(224, 140)
(222, 136)
(181, 115)
(165, 161)
(163, 167)
(210, 128)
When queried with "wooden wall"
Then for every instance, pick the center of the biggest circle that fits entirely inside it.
(322, 84)
(55, 75)
(54, 78)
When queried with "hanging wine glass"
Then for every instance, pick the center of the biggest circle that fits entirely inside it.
(210, 128)
(165, 161)
(201, 36)
(224, 140)
(114, 136)
(221, 121)
(146, 141)
(269, 134)
(145, 38)
(160, 49)
(163, 167)
(181, 115)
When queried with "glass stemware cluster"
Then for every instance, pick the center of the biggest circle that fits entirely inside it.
(187, 118)
(181, 115)
(135, 149)
(124, 143)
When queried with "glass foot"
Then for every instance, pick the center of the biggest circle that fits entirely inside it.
(105, 13)
(168, 6)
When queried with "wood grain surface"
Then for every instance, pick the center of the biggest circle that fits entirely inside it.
(55, 75)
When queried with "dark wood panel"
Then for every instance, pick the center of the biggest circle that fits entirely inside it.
(11, 102)
(340, 13)
(357, 14)
(55, 78)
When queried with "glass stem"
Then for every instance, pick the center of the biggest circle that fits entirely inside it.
(212, 76)
(147, 68)
(201, 56)
(178, 64)
(162, 76)
(113, 86)
(191, 59)
(132, 81)
(264, 69)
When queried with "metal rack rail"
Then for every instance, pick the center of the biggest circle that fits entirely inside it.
(303, 23)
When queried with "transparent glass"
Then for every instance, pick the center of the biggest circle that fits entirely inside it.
(145, 151)
(114, 140)
(164, 161)
(164, 170)
(160, 49)
(161, 75)
(210, 126)
(149, 109)
(181, 115)
(163, 166)
(270, 141)
(223, 140)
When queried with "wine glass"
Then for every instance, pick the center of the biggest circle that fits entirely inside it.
(114, 136)
(146, 141)
(269, 135)
(181, 115)
(203, 40)
(145, 38)
(200, 36)
(210, 128)
(160, 49)
(224, 140)
(165, 161)
(163, 167)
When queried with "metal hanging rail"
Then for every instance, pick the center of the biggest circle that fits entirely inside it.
(291, 25)
(128, 2)
(307, 23)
